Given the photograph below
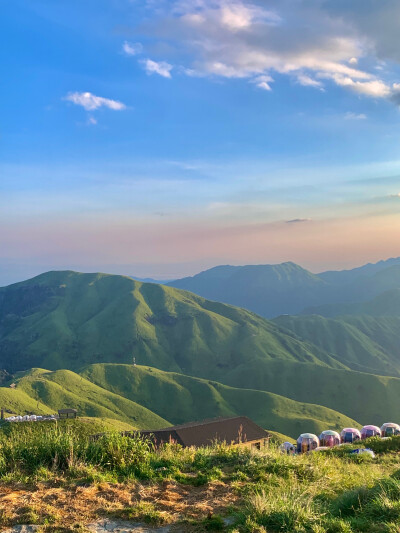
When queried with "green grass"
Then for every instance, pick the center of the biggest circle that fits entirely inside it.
(67, 320)
(112, 391)
(185, 398)
(362, 343)
(319, 492)
(64, 388)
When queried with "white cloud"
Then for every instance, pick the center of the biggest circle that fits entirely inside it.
(311, 41)
(238, 15)
(90, 102)
(132, 49)
(161, 68)
(92, 121)
(306, 81)
(263, 82)
(355, 116)
(374, 88)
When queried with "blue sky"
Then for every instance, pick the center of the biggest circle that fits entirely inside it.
(158, 138)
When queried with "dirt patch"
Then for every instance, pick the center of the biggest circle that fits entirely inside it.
(76, 506)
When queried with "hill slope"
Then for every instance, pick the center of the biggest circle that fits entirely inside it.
(65, 388)
(183, 398)
(363, 343)
(68, 320)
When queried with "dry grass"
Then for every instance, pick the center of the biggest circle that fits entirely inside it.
(68, 506)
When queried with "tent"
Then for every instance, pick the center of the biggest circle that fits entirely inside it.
(349, 435)
(329, 438)
(370, 431)
(287, 447)
(307, 442)
(389, 429)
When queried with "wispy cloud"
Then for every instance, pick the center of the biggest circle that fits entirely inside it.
(355, 116)
(162, 68)
(307, 81)
(298, 220)
(132, 49)
(91, 102)
(263, 82)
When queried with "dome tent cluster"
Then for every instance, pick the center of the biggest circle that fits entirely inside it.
(308, 442)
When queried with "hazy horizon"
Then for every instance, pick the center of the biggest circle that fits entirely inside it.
(174, 136)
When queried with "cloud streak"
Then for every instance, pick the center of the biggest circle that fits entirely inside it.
(162, 68)
(91, 102)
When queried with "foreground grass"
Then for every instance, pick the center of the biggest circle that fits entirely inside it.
(60, 477)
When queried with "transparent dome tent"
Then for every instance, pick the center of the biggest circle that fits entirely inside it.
(329, 438)
(389, 429)
(307, 442)
(370, 431)
(287, 447)
(349, 435)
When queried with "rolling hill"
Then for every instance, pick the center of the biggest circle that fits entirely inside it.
(68, 320)
(112, 392)
(64, 388)
(363, 343)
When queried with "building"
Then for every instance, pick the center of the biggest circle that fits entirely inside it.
(238, 430)
(67, 413)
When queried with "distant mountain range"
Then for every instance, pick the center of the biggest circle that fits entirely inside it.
(287, 288)
(336, 363)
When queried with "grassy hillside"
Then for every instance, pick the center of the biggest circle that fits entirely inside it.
(367, 398)
(56, 478)
(64, 388)
(185, 398)
(68, 320)
(111, 393)
(362, 343)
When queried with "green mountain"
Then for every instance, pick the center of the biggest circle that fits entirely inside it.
(68, 320)
(367, 398)
(363, 343)
(110, 391)
(55, 390)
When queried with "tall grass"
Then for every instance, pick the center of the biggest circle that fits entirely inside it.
(331, 492)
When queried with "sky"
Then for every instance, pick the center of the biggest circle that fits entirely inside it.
(158, 138)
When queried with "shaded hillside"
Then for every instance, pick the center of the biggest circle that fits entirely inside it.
(385, 304)
(268, 290)
(273, 290)
(341, 277)
(182, 398)
(363, 343)
(62, 388)
(367, 398)
(68, 320)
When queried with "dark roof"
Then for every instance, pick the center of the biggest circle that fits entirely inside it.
(62, 411)
(229, 430)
